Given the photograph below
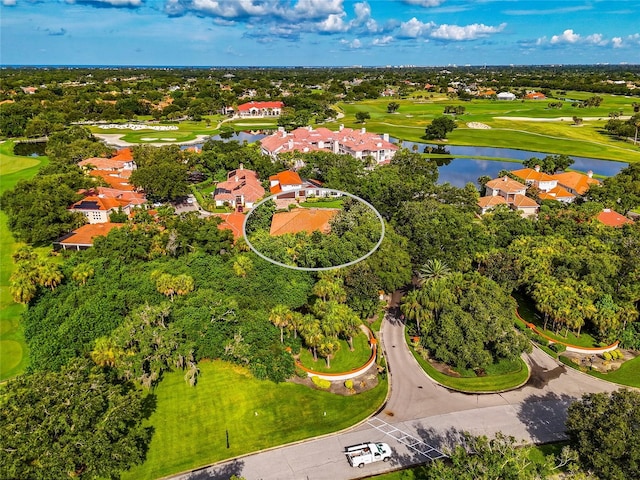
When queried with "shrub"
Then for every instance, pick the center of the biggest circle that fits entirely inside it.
(558, 347)
(607, 356)
(321, 382)
(300, 372)
(348, 384)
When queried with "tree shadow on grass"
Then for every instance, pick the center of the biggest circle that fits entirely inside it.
(544, 416)
(221, 472)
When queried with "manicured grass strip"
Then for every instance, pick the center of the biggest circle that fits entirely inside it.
(489, 383)
(344, 360)
(337, 203)
(190, 424)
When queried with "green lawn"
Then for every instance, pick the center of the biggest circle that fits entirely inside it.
(191, 424)
(546, 136)
(322, 203)
(493, 382)
(14, 356)
(344, 360)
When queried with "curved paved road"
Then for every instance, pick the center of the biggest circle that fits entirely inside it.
(421, 414)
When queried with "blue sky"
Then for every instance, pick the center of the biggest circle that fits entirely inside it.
(318, 32)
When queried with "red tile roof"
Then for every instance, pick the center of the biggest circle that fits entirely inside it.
(84, 235)
(532, 175)
(303, 220)
(556, 193)
(233, 222)
(612, 218)
(286, 178)
(506, 184)
(250, 105)
(578, 182)
(491, 201)
(113, 179)
(93, 202)
(522, 201)
(240, 182)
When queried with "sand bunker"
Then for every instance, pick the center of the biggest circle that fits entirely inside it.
(478, 125)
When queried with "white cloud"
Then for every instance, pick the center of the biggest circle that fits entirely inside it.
(596, 39)
(617, 42)
(311, 9)
(379, 42)
(333, 23)
(362, 11)
(414, 28)
(467, 32)
(355, 43)
(9, 3)
(424, 3)
(568, 36)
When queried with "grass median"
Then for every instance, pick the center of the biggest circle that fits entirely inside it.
(500, 377)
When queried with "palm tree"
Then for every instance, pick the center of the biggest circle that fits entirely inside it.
(242, 265)
(328, 346)
(22, 288)
(433, 269)
(434, 296)
(412, 309)
(280, 316)
(183, 284)
(105, 352)
(312, 334)
(82, 273)
(49, 275)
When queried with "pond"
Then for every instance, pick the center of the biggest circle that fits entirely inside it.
(607, 168)
(29, 149)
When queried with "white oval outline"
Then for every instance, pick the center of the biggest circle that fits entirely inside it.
(315, 269)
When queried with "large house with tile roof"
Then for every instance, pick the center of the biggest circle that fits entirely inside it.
(82, 238)
(122, 160)
(357, 143)
(288, 184)
(242, 189)
(513, 193)
(260, 109)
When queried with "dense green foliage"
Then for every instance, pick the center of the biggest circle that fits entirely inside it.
(466, 321)
(605, 431)
(439, 128)
(621, 192)
(74, 423)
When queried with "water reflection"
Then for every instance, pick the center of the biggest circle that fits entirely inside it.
(599, 167)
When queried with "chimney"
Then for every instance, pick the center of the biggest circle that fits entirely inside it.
(341, 127)
(590, 174)
(537, 168)
(309, 128)
(241, 166)
(505, 178)
(607, 210)
(363, 130)
(385, 137)
(291, 144)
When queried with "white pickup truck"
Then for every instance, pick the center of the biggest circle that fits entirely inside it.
(363, 453)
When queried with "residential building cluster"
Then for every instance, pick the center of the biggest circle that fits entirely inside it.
(357, 143)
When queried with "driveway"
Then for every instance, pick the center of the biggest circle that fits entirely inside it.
(421, 417)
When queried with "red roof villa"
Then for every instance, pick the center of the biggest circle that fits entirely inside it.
(241, 189)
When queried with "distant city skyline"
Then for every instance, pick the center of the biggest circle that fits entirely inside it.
(318, 32)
